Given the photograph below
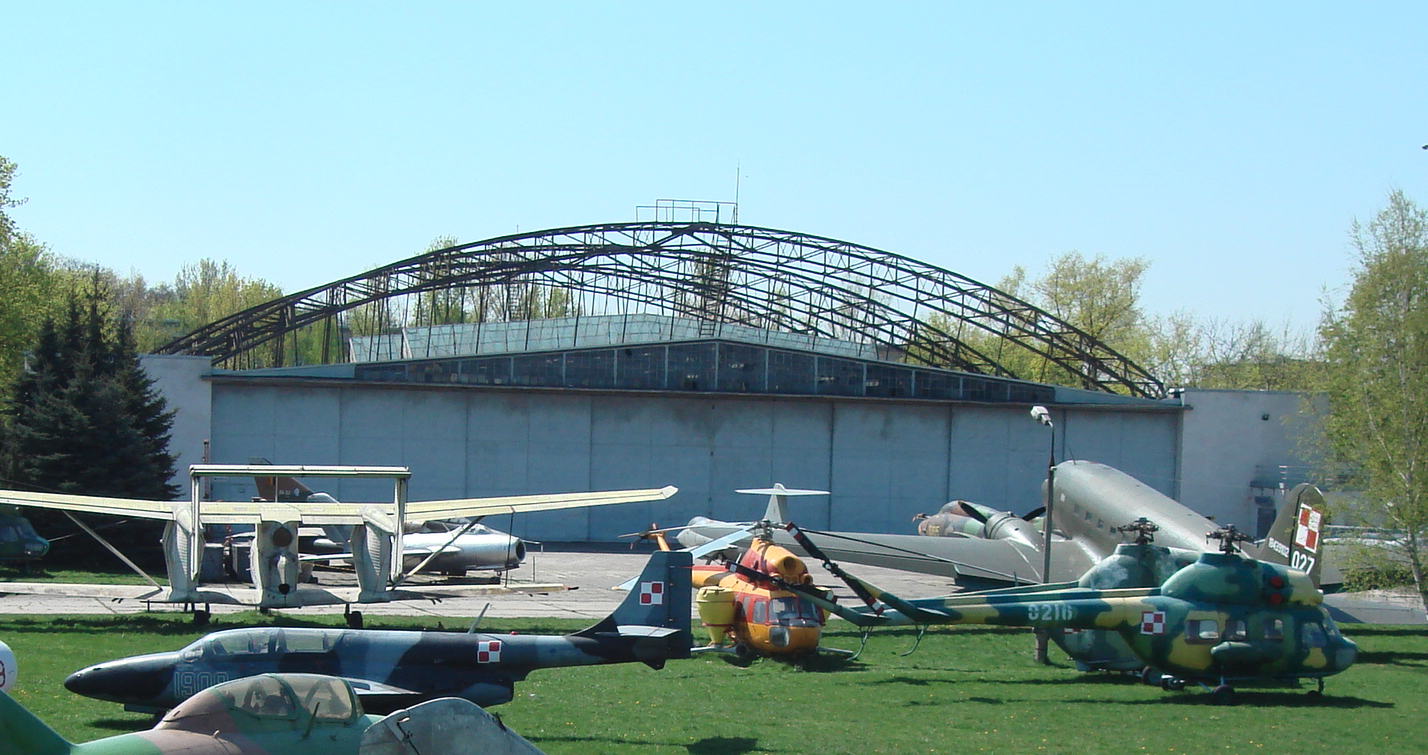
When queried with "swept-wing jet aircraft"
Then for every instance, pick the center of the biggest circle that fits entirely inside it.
(276, 714)
(275, 558)
(433, 546)
(1223, 618)
(1092, 499)
(390, 669)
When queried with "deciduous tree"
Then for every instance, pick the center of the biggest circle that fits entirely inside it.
(1376, 347)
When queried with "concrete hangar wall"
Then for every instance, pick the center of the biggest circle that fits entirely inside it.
(883, 459)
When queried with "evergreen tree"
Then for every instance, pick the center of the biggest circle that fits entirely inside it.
(85, 418)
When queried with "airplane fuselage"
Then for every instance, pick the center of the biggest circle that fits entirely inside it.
(401, 667)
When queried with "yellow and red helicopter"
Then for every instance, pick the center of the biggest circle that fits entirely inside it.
(742, 602)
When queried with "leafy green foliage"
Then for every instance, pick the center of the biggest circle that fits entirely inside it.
(966, 689)
(1376, 347)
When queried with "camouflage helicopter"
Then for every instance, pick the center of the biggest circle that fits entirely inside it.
(1224, 617)
(279, 713)
(18, 539)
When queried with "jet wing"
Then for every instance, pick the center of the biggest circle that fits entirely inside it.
(459, 507)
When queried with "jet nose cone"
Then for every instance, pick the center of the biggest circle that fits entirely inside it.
(133, 680)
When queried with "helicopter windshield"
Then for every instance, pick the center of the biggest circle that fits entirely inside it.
(792, 611)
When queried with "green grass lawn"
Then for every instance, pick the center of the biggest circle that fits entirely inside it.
(965, 690)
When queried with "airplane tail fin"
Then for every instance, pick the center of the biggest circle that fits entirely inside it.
(655, 614)
(285, 489)
(1295, 538)
(21, 733)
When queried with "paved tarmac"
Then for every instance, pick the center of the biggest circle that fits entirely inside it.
(585, 575)
(590, 573)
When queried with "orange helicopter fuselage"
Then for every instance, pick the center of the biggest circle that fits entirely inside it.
(768, 620)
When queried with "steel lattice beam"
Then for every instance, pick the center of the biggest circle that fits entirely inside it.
(761, 277)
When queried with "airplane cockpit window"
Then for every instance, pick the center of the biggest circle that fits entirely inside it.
(1312, 635)
(320, 641)
(263, 697)
(324, 697)
(236, 645)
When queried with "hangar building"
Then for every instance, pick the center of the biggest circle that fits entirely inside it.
(707, 356)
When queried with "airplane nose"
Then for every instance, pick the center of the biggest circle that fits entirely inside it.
(134, 680)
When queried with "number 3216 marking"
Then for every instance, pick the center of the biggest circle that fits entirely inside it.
(1048, 612)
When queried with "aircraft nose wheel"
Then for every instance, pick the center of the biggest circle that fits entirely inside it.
(354, 618)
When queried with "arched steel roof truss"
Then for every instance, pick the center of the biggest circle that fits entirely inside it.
(760, 277)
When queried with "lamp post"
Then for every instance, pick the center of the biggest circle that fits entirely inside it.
(1041, 415)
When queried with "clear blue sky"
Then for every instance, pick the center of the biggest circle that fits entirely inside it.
(1230, 143)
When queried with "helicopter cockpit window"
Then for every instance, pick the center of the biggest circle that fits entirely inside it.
(1235, 630)
(1274, 629)
(1312, 635)
(1202, 630)
(8, 534)
(761, 608)
(790, 609)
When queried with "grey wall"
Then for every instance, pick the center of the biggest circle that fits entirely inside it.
(1227, 435)
(180, 380)
(883, 461)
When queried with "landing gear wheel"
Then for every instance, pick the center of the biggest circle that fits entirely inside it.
(1315, 694)
(354, 619)
(1171, 684)
(1224, 695)
(1149, 676)
(742, 651)
(201, 617)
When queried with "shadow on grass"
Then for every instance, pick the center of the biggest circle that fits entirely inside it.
(1251, 699)
(725, 746)
(1393, 658)
(706, 746)
(124, 725)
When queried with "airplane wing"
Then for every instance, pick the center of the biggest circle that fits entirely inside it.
(321, 513)
(87, 504)
(459, 507)
(975, 563)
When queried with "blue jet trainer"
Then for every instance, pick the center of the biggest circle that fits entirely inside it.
(393, 669)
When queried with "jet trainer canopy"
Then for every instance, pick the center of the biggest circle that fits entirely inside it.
(291, 697)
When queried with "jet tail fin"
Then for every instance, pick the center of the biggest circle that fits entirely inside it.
(656, 612)
(21, 733)
(285, 489)
(1294, 540)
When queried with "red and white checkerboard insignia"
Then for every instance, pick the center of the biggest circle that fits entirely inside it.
(1306, 535)
(651, 593)
(1152, 622)
(1069, 630)
(488, 651)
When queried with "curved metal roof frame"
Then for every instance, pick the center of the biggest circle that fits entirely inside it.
(761, 277)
